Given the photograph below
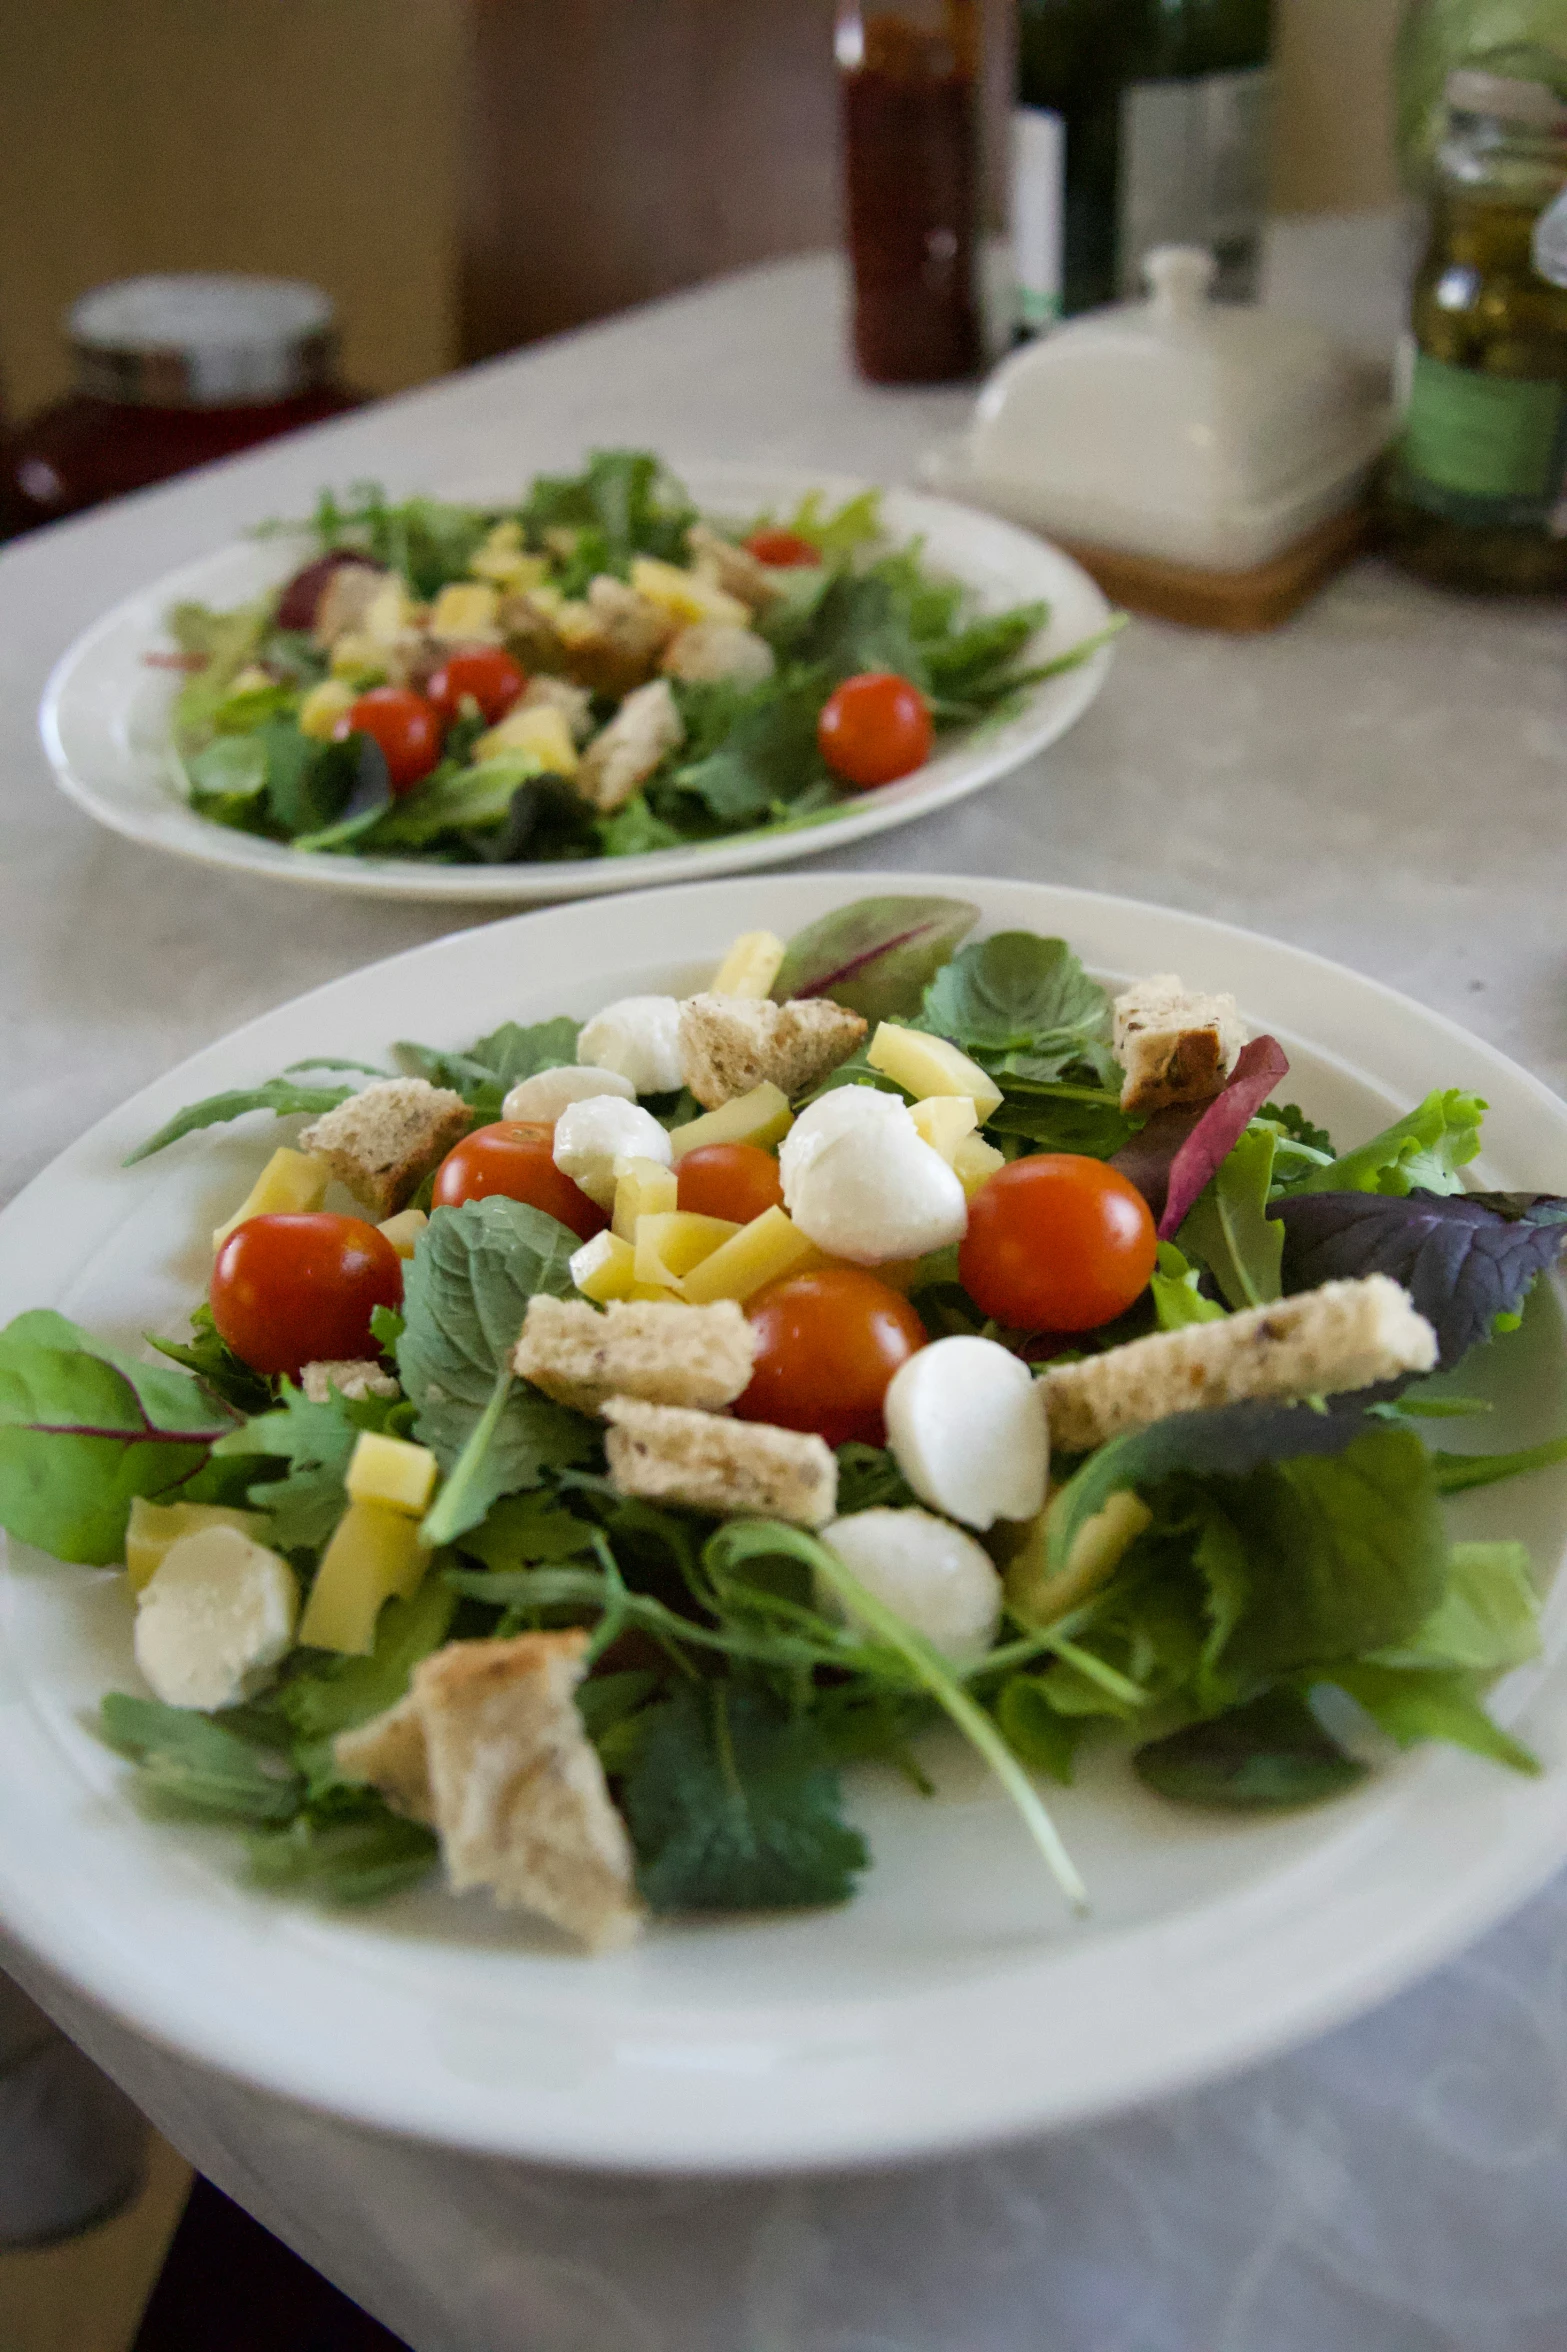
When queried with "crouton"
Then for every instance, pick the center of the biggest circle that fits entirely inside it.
(646, 726)
(1344, 1336)
(384, 1141)
(734, 569)
(612, 638)
(667, 1455)
(389, 1753)
(731, 1044)
(347, 596)
(354, 1378)
(1175, 1044)
(526, 620)
(708, 651)
(574, 703)
(519, 1796)
(667, 1355)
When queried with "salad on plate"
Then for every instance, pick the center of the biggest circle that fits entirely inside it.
(597, 1440)
(596, 670)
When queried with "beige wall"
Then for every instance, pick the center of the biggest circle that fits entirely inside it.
(1333, 135)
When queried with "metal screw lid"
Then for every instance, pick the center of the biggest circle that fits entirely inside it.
(195, 340)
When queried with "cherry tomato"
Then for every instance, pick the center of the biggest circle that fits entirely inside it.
(785, 551)
(874, 729)
(516, 1157)
(1057, 1243)
(828, 1343)
(294, 1290)
(481, 674)
(735, 1180)
(407, 728)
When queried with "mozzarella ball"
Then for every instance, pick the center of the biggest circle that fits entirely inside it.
(214, 1619)
(932, 1575)
(966, 1424)
(843, 1110)
(549, 1092)
(879, 1193)
(639, 1039)
(591, 1136)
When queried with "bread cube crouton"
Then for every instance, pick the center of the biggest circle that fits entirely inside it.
(574, 703)
(354, 1379)
(612, 638)
(384, 1141)
(518, 1792)
(1323, 1343)
(645, 728)
(732, 1044)
(1174, 1044)
(734, 569)
(349, 592)
(667, 1355)
(668, 1455)
(709, 651)
(390, 1753)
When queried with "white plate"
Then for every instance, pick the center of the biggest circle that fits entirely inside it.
(104, 712)
(953, 2002)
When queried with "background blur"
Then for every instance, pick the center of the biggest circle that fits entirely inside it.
(465, 175)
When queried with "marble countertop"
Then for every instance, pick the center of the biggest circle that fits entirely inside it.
(1384, 780)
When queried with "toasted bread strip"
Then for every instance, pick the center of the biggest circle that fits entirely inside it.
(384, 1141)
(1175, 1044)
(666, 1354)
(646, 726)
(1344, 1336)
(730, 1044)
(668, 1455)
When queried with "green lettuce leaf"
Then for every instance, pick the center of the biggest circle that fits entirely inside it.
(1176, 1297)
(487, 1072)
(1487, 1620)
(1229, 1227)
(1421, 1152)
(1434, 1702)
(1261, 1757)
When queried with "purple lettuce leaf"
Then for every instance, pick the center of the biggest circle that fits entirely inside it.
(1464, 1258)
(1179, 1150)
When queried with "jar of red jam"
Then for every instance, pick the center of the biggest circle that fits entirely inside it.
(172, 372)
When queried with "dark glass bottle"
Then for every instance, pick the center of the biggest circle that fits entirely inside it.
(1138, 123)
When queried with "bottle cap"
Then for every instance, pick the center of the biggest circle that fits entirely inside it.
(202, 341)
(1506, 99)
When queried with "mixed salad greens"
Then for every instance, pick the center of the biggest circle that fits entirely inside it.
(1223, 1589)
(595, 671)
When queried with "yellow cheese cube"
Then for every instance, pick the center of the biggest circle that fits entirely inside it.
(464, 612)
(764, 1251)
(751, 966)
(541, 731)
(975, 1161)
(658, 1294)
(374, 1553)
(290, 1185)
(763, 1116)
(152, 1527)
(393, 1471)
(604, 1268)
(513, 573)
(684, 594)
(323, 706)
(924, 1065)
(388, 615)
(944, 1119)
(403, 1230)
(642, 1189)
(1039, 1595)
(358, 660)
(669, 1246)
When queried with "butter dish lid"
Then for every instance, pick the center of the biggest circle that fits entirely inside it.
(1178, 427)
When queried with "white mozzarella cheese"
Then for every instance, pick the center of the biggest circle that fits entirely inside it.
(842, 1109)
(878, 1192)
(591, 1136)
(966, 1424)
(549, 1092)
(639, 1038)
(931, 1574)
(214, 1619)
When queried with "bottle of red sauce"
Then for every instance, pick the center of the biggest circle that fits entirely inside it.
(172, 372)
(910, 80)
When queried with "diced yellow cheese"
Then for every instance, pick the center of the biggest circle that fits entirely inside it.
(323, 706)
(463, 612)
(393, 1471)
(152, 1527)
(359, 660)
(642, 1189)
(657, 1294)
(1039, 1595)
(388, 614)
(751, 966)
(604, 1268)
(374, 1553)
(924, 1065)
(669, 1246)
(403, 1230)
(944, 1119)
(506, 564)
(252, 679)
(763, 1116)
(764, 1251)
(574, 622)
(684, 594)
(290, 1185)
(974, 1163)
(540, 730)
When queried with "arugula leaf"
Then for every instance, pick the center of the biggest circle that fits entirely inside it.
(282, 1096)
(870, 1480)
(854, 525)
(524, 1529)
(732, 1807)
(1421, 1152)
(197, 1764)
(1431, 1703)
(634, 830)
(858, 624)
(84, 1429)
(1015, 994)
(316, 1441)
(1264, 1756)
(969, 663)
(1228, 1227)
(1176, 1297)
(624, 497)
(1456, 1472)
(215, 1364)
(876, 956)
(1464, 1259)
(373, 1854)
(487, 1072)
(455, 799)
(1487, 1620)
(1062, 1118)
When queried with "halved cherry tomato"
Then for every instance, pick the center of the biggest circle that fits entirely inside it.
(874, 729)
(827, 1345)
(288, 1291)
(1057, 1242)
(735, 1180)
(407, 728)
(481, 674)
(784, 551)
(516, 1157)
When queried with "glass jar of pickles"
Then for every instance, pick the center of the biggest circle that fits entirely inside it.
(1476, 493)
